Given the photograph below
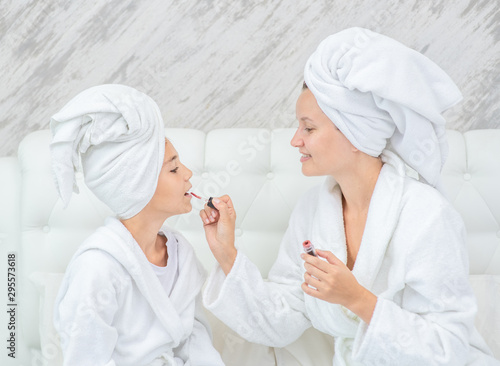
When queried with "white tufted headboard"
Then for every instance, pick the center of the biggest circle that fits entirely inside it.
(261, 172)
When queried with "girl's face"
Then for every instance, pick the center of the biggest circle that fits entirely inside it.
(171, 195)
(325, 150)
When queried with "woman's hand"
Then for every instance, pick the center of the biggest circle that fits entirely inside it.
(334, 282)
(219, 231)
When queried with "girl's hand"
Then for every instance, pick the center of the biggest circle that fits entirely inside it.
(219, 231)
(334, 282)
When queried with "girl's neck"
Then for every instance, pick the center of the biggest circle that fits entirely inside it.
(144, 227)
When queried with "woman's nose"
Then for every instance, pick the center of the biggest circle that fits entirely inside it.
(296, 140)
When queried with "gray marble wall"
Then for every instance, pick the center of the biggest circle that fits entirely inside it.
(224, 63)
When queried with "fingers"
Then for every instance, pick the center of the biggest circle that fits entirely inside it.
(312, 280)
(204, 217)
(314, 271)
(208, 215)
(227, 200)
(316, 262)
(321, 270)
(225, 208)
(310, 291)
(329, 256)
(225, 211)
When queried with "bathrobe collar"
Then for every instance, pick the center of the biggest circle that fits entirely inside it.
(123, 247)
(328, 233)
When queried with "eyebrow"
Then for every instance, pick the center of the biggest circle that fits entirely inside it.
(170, 160)
(307, 119)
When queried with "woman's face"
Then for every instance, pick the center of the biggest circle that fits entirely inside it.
(325, 150)
(173, 183)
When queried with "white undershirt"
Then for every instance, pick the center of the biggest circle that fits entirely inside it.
(168, 275)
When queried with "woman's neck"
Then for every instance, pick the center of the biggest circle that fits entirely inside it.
(358, 184)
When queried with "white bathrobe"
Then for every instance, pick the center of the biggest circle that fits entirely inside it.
(412, 256)
(112, 309)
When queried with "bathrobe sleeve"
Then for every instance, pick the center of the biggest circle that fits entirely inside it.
(198, 350)
(270, 313)
(436, 316)
(86, 305)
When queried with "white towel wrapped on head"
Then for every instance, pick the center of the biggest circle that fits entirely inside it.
(119, 134)
(375, 90)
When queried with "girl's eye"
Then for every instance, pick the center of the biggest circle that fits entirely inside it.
(174, 170)
(307, 129)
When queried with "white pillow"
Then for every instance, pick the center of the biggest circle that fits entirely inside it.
(48, 285)
(487, 291)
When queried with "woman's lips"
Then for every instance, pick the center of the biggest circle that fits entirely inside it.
(304, 157)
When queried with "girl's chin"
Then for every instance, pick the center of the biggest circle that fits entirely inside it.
(188, 207)
(181, 209)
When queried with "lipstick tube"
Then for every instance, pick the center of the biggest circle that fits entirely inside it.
(207, 201)
(309, 248)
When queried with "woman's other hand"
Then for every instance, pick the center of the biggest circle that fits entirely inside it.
(219, 230)
(333, 282)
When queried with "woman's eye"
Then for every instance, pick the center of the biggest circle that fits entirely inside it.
(307, 129)
(174, 170)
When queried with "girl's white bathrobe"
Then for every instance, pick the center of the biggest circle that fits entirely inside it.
(412, 256)
(112, 309)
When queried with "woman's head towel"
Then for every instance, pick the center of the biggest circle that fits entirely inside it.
(377, 90)
(119, 134)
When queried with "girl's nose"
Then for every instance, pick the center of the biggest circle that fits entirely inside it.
(189, 174)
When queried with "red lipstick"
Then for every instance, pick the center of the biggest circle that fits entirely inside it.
(195, 195)
(207, 201)
(309, 248)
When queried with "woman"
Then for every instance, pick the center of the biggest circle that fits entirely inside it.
(391, 285)
(131, 293)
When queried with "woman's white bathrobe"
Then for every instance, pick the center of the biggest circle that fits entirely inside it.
(412, 256)
(112, 309)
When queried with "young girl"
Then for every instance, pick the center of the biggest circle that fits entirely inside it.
(131, 293)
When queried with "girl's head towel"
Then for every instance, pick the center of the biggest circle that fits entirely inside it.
(118, 134)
